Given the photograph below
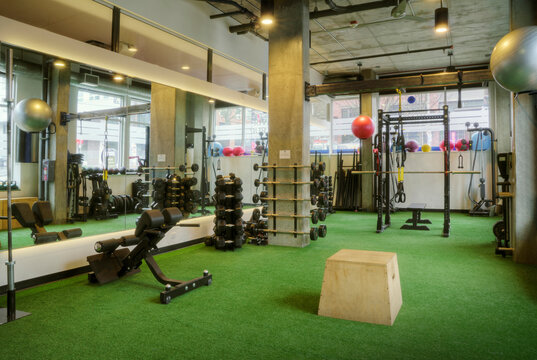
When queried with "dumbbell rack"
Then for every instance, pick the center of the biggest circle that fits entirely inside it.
(229, 228)
(314, 232)
(172, 191)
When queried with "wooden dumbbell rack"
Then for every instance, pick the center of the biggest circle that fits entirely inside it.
(228, 199)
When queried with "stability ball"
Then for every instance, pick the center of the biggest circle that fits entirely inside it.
(362, 127)
(451, 145)
(32, 115)
(227, 151)
(513, 61)
(215, 149)
(426, 148)
(238, 150)
(462, 145)
(480, 145)
(412, 146)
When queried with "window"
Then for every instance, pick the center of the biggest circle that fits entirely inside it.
(99, 139)
(255, 122)
(138, 127)
(320, 124)
(3, 129)
(344, 111)
(228, 126)
(475, 108)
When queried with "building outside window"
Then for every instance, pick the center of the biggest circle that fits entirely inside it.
(255, 122)
(99, 139)
(138, 127)
(344, 111)
(475, 109)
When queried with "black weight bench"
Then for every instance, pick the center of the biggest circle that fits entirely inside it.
(416, 208)
(36, 218)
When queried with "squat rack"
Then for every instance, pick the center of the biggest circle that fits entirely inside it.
(382, 166)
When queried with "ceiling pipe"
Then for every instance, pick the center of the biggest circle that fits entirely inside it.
(334, 10)
(382, 55)
(232, 13)
(242, 9)
(339, 10)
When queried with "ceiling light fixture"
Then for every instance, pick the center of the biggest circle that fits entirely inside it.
(118, 77)
(59, 63)
(211, 101)
(441, 19)
(132, 48)
(185, 67)
(267, 12)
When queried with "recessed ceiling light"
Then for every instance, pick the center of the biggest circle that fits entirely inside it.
(211, 101)
(118, 77)
(185, 67)
(59, 63)
(132, 48)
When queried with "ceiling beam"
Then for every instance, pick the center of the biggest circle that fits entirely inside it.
(406, 82)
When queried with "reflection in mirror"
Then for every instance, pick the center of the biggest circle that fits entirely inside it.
(111, 113)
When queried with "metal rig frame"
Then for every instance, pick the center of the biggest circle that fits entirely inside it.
(382, 145)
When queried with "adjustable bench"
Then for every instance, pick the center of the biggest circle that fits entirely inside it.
(416, 208)
(36, 218)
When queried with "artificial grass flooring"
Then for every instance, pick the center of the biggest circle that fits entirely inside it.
(460, 301)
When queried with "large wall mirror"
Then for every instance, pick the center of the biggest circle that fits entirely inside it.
(113, 161)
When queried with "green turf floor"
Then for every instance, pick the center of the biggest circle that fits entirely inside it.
(460, 301)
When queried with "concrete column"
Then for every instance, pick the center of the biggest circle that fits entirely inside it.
(60, 88)
(163, 109)
(500, 117)
(180, 123)
(289, 115)
(523, 13)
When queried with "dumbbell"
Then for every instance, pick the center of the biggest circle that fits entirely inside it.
(256, 198)
(221, 196)
(193, 167)
(234, 181)
(230, 176)
(314, 216)
(265, 181)
(191, 181)
(322, 214)
(313, 233)
(322, 231)
(256, 215)
(313, 166)
(321, 166)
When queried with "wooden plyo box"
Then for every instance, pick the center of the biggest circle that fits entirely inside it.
(361, 286)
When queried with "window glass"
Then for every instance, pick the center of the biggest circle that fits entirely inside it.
(139, 125)
(95, 136)
(344, 111)
(255, 122)
(320, 124)
(475, 108)
(228, 126)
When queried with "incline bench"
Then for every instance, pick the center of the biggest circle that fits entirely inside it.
(416, 208)
(36, 218)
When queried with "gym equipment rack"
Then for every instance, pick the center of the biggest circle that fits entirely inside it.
(382, 166)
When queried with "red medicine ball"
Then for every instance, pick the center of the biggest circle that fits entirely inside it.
(227, 151)
(362, 127)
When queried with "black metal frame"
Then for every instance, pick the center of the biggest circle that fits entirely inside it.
(382, 173)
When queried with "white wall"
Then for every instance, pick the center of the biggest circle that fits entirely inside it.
(191, 18)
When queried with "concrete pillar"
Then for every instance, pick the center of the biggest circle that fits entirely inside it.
(59, 101)
(180, 123)
(523, 13)
(289, 115)
(500, 117)
(368, 106)
(163, 109)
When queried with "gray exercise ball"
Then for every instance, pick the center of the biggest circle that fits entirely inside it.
(32, 115)
(514, 60)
